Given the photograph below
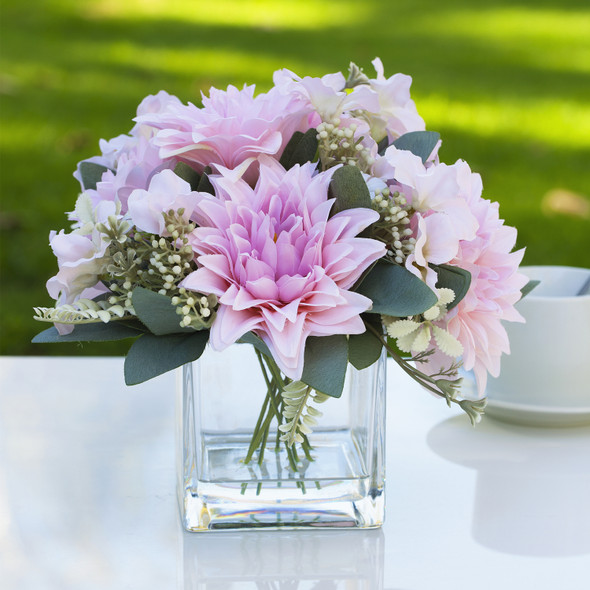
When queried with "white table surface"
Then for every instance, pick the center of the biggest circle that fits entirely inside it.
(87, 498)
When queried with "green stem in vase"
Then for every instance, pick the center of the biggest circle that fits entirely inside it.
(252, 446)
(271, 408)
(306, 446)
(260, 431)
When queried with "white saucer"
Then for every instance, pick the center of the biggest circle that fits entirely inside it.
(537, 415)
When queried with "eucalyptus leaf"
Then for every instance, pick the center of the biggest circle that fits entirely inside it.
(325, 363)
(383, 145)
(189, 174)
(363, 350)
(157, 312)
(301, 148)
(455, 278)
(349, 188)
(528, 288)
(205, 185)
(258, 343)
(95, 332)
(420, 143)
(91, 174)
(396, 292)
(150, 355)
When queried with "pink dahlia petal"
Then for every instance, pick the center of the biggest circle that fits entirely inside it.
(495, 288)
(204, 280)
(230, 325)
(232, 127)
(356, 220)
(287, 345)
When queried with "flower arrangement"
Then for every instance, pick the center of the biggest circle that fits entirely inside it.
(314, 222)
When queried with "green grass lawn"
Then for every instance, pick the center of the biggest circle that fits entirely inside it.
(507, 85)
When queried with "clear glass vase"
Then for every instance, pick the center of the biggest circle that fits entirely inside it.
(337, 481)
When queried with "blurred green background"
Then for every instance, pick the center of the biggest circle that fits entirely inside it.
(506, 83)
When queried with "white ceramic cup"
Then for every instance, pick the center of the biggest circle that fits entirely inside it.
(548, 369)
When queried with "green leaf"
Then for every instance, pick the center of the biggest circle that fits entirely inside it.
(150, 355)
(99, 332)
(349, 188)
(189, 174)
(302, 148)
(325, 363)
(364, 349)
(392, 344)
(258, 343)
(383, 145)
(91, 174)
(395, 291)
(205, 185)
(528, 288)
(455, 278)
(157, 312)
(420, 143)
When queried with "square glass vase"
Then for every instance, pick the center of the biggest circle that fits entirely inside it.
(337, 480)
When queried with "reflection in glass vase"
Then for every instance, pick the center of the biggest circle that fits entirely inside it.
(296, 560)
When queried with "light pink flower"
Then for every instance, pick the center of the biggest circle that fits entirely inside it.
(279, 265)
(80, 259)
(166, 191)
(330, 103)
(134, 170)
(325, 96)
(495, 284)
(232, 127)
(435, 242)
(153, 104)
(131, 159)
(442, 215)
(396, 112)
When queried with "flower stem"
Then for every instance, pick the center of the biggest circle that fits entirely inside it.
(417, 375)
(272, 409)
(261, 428)
(306, 448)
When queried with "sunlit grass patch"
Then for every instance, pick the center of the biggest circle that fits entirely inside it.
(560, 123)
(548, 38)
(287, 14)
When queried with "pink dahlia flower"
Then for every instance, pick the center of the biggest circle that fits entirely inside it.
(495, 284)
(279, 264)
(233, 126)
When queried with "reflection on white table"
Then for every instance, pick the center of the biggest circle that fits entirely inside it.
(87, 499)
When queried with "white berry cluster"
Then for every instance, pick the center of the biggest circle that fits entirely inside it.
(338, 145)
(393, 225)
(153, 262)
(197, 310)
(160, 264)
